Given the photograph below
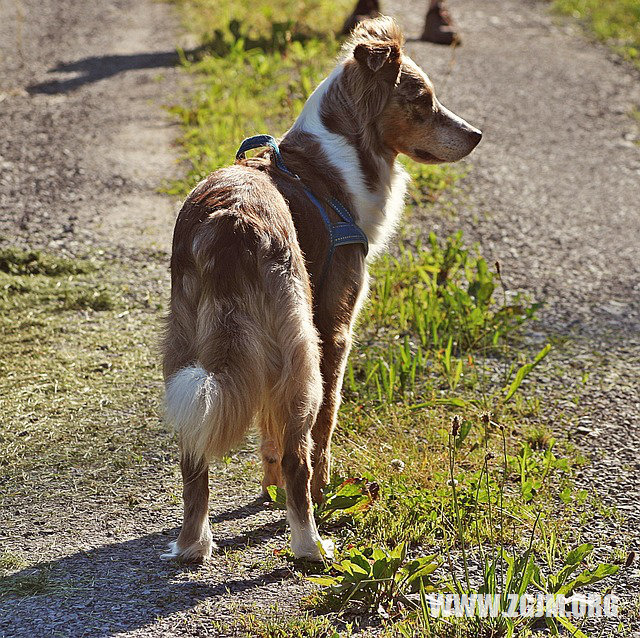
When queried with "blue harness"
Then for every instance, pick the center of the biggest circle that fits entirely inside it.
(340, 233)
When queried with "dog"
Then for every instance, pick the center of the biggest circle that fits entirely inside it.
(262, 306)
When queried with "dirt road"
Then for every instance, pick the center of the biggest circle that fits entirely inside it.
(552, 193)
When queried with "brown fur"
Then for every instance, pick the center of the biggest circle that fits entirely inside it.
(251, 337)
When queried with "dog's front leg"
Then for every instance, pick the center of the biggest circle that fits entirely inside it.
(335, 351)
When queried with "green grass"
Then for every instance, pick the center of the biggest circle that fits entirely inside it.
(514, 490)
(16, 261)
(10, 561)
(293, 18)
(616, 22)
(429, 352)
(35, 581)
(256, 66)
(28, 581)
(449, 296)
(275, 626)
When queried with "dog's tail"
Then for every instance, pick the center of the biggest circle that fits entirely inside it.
(211, 411)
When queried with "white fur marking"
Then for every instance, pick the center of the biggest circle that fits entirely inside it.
(305, 540)
(200, 550)
(173, 552)
(377, 211)
(188, 396)
(191, 393)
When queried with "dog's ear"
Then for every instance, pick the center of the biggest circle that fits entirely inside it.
(372, 56)
(383, 59)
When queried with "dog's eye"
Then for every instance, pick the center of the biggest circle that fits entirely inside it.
(421, 107)
(415, 93)
(418, 114)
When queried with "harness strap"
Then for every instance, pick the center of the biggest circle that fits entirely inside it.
(340, 233)
(258, 141)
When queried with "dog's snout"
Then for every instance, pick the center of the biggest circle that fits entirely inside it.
(455, 123)
(476, 136)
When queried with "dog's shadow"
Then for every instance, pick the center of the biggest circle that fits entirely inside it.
(124, 586)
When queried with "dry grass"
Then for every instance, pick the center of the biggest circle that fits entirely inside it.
(80, 388)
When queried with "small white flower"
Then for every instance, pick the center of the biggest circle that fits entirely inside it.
(397, 465)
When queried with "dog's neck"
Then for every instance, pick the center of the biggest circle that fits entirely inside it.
(375, 182)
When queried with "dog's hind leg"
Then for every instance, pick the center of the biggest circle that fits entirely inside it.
(194, 544)
(287, 445)
(294, 398)
(212, 402)
(295, 402)
(271, 457)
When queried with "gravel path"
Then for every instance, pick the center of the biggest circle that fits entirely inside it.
(84, 142)
(552, 194)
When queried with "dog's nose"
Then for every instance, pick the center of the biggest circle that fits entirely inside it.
(476, 136)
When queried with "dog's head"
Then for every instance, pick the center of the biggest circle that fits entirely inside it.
(398, 99)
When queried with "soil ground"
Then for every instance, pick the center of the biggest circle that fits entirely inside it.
(552, 193)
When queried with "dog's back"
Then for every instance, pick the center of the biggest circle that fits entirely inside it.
(240, 321)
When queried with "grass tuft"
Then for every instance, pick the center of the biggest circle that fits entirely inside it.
(538, 437)
(32, 584)
(279, 626)
(16, 261)
(83, 299)
(10, 561)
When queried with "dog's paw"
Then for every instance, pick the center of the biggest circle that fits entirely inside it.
(328, 547)
(321, 550)
(197, 552)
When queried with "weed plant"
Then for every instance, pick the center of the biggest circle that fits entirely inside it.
(432, 309)
(397, 587)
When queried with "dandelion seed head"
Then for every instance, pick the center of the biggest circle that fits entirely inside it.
(397, 465)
